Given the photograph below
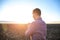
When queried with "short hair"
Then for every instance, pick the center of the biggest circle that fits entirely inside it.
(37, 10)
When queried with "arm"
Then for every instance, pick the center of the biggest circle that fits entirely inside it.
(31, 29)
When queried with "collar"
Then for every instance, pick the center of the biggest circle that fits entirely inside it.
(39, 18)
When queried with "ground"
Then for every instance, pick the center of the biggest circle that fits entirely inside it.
(17, 31)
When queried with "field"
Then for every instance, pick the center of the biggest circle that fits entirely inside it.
(17, 31)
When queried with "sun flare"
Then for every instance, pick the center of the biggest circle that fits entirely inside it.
(18, 13)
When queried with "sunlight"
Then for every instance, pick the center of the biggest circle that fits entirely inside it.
(18, 13)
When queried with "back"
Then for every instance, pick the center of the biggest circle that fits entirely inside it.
(37, 30)
(40, 30)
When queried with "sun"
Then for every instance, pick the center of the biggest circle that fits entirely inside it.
(18, 13)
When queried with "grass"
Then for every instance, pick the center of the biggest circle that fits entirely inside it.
(17, 31)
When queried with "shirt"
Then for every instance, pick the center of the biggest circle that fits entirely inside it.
(38, 27)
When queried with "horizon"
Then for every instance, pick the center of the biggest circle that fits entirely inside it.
(11, 22)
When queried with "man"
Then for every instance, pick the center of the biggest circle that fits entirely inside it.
(37, 29)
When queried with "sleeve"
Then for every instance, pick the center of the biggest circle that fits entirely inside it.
(31, 29)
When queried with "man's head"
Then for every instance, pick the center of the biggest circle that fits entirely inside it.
(36, 13)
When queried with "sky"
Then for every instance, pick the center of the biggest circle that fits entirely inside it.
(21, 10)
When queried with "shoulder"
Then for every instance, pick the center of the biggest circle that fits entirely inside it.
(38, 22)
(35, 23)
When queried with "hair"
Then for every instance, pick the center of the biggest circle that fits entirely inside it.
(37, 10)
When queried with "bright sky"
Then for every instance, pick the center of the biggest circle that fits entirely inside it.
(21, 10)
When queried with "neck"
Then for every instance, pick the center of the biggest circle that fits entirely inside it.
(37, 17)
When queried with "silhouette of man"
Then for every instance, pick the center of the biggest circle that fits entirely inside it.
(37, 29)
